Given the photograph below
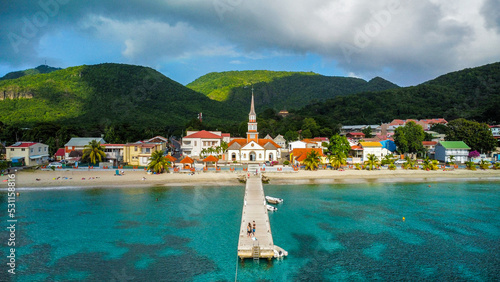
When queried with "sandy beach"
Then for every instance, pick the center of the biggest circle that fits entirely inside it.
(71, 178)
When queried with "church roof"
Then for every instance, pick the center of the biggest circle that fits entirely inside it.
(266, 143)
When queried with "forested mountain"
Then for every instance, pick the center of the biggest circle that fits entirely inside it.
(37, 70)
(470, 93)
(128, 103)
(103, 95)
(281, 90)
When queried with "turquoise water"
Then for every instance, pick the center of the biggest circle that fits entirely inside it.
(332, 232)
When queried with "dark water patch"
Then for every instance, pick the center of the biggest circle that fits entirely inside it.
(127, 224)
(179, 222)
(42, 210)
(82, 213)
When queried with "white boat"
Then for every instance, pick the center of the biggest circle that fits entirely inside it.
(273, 200)
(271, 208)
(279, 252)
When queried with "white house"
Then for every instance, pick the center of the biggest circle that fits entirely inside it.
(29, 153)
(374, 148)
(458, 149)
(114, 152)
(303, 144)
(196, 141)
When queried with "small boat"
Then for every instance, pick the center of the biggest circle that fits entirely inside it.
(271, 208)
(279, 252)
(273, 200)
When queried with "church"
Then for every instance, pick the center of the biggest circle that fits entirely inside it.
(252, 149)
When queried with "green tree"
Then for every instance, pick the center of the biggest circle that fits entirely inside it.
(388, 160)
(409, 138)
(306, 134)
(312, 160)
(338, 160)
(158, 163)
(451, 158)
(93, 151)
(368, 132)
(470, 165)
(291, 136)
(311, 125)
(338, 145)
(409, 164)
(371, 161)
(476, 135)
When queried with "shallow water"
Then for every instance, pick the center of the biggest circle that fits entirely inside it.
(332, 232)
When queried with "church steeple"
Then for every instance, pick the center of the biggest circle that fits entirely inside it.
(252, 134)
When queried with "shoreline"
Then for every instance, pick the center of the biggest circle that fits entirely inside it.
(68, 179)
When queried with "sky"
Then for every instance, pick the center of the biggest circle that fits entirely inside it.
(405, 41)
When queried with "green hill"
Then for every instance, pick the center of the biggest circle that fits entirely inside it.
(218, 85)
(100, 95)
(280, 90)
(470, 93)
(37, 70)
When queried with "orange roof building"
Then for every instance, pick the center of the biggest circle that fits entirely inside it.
(300, 154)
(252, 149)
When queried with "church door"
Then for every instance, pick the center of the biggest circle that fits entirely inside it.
(253, 157)
(233, 157)
(270, 157)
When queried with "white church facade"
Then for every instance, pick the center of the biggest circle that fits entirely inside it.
(252, 149)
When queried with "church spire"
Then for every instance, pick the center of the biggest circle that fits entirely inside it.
(252, 108)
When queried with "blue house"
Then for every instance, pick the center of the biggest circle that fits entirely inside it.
(388, 147)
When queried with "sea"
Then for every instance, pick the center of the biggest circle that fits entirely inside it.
(446, 231)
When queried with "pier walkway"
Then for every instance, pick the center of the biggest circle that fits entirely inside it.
(254, 209)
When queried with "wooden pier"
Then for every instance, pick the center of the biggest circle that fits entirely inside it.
(254, 209)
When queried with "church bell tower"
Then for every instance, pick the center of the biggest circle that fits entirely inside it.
(252, 134)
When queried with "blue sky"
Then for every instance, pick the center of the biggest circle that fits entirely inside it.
(404, 41)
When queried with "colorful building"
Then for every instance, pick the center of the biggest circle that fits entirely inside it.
(139, 153)
(458, 149)
(27, 153)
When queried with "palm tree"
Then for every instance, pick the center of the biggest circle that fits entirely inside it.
(93, 151)
(435, 164)
(451, 158)
(312, 160)
(427, 164)
(484, 164)
(158, 163)
(371, 162)
(338, 160)
(470, 165)
(388, 159)
(496, 165)
(409, 164)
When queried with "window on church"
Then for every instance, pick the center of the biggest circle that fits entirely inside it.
(260, 156)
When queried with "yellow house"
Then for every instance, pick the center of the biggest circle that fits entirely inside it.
(138, 154)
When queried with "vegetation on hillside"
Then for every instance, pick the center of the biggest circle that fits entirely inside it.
(280, 90)
(37, 70)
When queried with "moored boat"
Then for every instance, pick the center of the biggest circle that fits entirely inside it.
(271, 208)
(273, 200)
